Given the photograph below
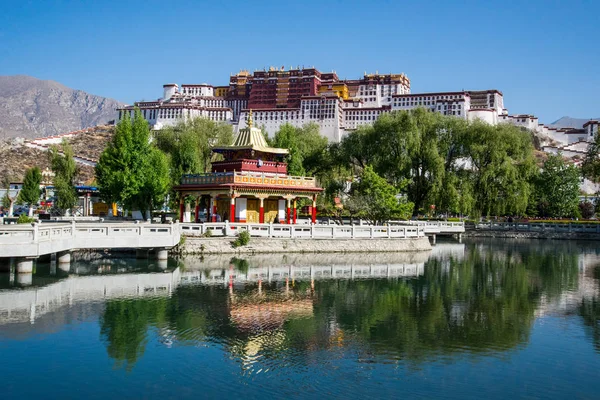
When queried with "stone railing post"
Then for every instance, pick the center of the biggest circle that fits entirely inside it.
(389, 231)
(352, 231)
(371, 231)
(405, 232)
(35, 232)
(226, 233)
(73, 228)
(270, 233)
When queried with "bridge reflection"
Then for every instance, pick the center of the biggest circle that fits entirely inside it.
(29, 303)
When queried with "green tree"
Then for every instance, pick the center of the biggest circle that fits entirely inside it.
(64, 169)
(306, 148)
(189, 145)
(30, 194)
(375, 199)
(557, 188)
(417, 145)
(131, 170)
(499, 161)
(590, 167)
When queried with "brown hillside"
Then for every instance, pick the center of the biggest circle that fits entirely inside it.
(16, 157)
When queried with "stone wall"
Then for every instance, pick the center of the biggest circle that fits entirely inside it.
(532, 235)
(199, 245)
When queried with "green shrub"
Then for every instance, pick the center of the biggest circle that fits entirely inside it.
(24, 219)
(208, 233)
(243, 238)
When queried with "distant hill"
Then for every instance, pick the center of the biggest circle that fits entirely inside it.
(568, 122)
(32, 108)
(17, 155)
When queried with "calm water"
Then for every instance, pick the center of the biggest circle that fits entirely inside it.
(485, 319)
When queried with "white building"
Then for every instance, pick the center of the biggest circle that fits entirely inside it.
(191, 101)
(377, 92)
(326, 111)
(591, 129)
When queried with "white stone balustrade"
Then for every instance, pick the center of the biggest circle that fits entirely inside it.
(34, 240)
(305, 231)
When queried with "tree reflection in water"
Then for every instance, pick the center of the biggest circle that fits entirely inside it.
(482, 303)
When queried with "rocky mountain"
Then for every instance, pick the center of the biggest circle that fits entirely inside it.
(32, 108)
(568, 122)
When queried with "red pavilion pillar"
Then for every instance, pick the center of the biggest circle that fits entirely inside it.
(295, 212)
(314, 209)
(232, 209)
(288, 211)
(261, 210)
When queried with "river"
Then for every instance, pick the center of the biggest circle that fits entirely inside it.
(488, 318)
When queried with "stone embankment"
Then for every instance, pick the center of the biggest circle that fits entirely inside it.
(200, 245)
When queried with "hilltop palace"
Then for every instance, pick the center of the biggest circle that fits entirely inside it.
(305, 95)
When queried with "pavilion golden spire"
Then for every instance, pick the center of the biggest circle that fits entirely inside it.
(249, 119)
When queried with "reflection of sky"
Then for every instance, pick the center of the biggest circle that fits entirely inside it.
(557, 363)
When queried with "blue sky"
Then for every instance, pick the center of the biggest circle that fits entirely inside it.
(543, 55)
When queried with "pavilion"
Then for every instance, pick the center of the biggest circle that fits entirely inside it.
(250, 185)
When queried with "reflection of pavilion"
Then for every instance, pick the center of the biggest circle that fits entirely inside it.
(250, 185)
(268, 315)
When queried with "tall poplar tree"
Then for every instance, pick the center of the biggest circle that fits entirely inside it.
(64, 169)
(30, 194)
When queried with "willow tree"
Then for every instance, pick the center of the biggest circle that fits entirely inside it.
(499, 161)
(417, 145)
(131, 170)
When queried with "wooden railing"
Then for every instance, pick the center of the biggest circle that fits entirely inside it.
(304, 231)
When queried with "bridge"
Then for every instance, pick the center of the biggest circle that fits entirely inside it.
(29, 241)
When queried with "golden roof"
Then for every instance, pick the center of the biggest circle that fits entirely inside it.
(251, 138)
